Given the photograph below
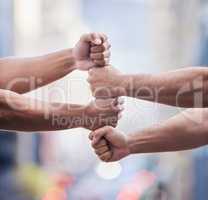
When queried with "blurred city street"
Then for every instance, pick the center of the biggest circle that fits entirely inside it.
(146, 36)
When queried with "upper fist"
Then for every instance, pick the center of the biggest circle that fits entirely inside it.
(92, 50)
(106, 82)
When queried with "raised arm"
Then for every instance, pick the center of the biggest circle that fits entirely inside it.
(25, 74)
(186, 87)
(20, 113)
(187, 130)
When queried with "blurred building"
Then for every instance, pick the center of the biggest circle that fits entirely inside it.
(146, 36)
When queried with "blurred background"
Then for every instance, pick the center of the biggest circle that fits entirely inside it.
(146, 36)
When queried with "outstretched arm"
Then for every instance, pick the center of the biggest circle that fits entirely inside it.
(187, 130)
(25, 74)
(21, 113)
(186, 87)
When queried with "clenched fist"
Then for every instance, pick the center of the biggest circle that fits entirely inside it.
(92, 50)
(102, 112)
(106, 82)
(109, 144)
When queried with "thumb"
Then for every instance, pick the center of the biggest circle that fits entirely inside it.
(99, 134)
(96, 39)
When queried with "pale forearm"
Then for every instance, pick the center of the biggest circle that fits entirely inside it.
(25, 74)
(20, 113)
(176, 88)
(185, 131)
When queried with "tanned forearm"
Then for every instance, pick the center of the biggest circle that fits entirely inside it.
(185, 131)
(187, 87)
(20, 113)
(25, 74)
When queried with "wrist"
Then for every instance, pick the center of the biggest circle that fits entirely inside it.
(73, 59)
(126, 83)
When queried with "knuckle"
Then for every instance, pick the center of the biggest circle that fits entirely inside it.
(83, 36)
(102, 158)
(114, 125)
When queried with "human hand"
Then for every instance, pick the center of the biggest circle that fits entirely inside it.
(109, 144)
(92, 50)
(106, 82)
(102, 112)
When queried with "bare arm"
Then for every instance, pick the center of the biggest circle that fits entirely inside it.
(25, 74)
(24, 114)
(186, 87)
(185, 131)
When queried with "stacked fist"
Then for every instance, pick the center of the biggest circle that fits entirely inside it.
(92, 53)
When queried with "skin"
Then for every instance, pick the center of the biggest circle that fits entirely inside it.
(183, 88)
(92, 50)
(187, 87)
(185, 131)
(20, 113)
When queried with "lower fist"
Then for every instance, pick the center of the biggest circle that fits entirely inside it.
(109, 144)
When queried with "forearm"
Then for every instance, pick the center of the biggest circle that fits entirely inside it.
(185, 131)
(20, 113)
(25, 74)
(184, 88)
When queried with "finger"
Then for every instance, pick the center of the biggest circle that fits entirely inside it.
(104, 62)
(102, 150)
(91, 135)
(106, 156)
(100, 48)
(117, 106)
(92, 37)
(119, 100)
(102, 143)
(100, 56)
(113, 121)
(97, 39)
(99, 133)
(107, 104)
(104, 37)
(119, 116)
